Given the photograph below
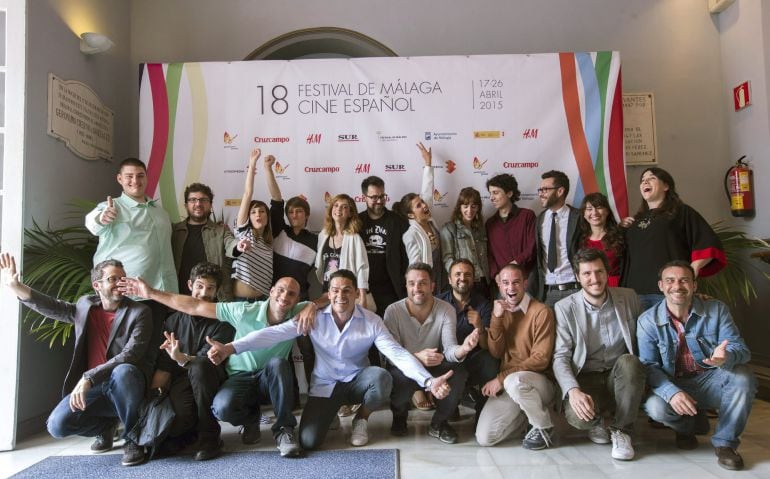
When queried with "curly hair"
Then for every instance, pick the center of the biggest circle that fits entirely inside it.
(353, 225)
(613, 237)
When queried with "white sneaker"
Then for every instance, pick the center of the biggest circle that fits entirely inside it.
(599, 435)
(360, 434)
(622, 448)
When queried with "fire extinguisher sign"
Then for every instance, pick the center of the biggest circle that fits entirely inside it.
(741, 97)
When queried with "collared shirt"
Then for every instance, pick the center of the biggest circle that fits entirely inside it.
(140, 237)
(340, 355)
(476, 302)
(604, 338)
(437, 331)
(563, 272)
(247, 317)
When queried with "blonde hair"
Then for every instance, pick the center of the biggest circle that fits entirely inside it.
(353, 226)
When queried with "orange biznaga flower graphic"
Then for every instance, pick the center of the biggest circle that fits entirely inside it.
(279, 168)
(477, 164)
(229, 139)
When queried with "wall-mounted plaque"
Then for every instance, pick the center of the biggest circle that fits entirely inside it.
(639, 129)
(78, 117)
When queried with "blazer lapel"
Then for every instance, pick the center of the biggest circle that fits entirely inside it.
(581, 322)
(120, 316)
(620, 312)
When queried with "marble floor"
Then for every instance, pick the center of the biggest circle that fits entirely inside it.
(424, 457)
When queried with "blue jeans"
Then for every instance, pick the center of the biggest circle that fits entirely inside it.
(370, 388)
(239, 398)
(118, 397)
(732, 392)
(647, 301)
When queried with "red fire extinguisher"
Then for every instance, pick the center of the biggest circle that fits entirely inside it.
(739, 185)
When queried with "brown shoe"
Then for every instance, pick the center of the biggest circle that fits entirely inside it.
(686, 442)
(729, 458)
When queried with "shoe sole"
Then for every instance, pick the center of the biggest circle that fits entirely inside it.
(291, 453)
(358, 443)
(622, 458)
(133, 463)
(600, 441)
(101, 451)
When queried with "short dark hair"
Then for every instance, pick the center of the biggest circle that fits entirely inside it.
(344, 273)
(208, 271)
(297, 202)
(677, 263)
(589, 255)
(97, 272)
(371, 181)
(464, 261)
(419, 266)
(132, 162)
(198, 188)
(560, 180)
(507, 183)
(515, 267)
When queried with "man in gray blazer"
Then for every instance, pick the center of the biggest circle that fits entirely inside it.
(557, 241)
(594, 360)
(110, 366)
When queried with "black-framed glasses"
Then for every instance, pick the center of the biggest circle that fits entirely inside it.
(202, 201)
(546, 189)
(382, 197)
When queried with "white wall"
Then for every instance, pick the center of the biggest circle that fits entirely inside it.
(54, 176)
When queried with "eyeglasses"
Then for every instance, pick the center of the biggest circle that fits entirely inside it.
(382, 197)
(546, 189)
(111, 279)
(202, 201)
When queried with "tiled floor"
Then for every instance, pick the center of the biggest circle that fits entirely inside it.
(424, 457)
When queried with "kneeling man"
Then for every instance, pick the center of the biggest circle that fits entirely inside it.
(110, 365)
(594, 360)
(521, 334)
(696, 359)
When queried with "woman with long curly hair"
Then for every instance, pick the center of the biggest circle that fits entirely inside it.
(599, 230)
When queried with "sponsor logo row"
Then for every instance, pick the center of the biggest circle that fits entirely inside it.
(314, 138)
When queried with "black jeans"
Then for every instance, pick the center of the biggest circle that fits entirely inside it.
(404, 387)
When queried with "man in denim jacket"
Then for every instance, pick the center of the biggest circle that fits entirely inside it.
(696, 359)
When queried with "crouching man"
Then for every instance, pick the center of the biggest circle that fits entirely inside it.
(109, 369)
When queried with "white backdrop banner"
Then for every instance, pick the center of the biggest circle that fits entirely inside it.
(331, 122)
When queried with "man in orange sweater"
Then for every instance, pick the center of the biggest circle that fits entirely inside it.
(521, 334)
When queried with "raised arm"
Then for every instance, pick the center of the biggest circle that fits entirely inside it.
(272, 185)
(426, 187)
(101, 216)
(187, 304)
(10, 277)
(248, 188)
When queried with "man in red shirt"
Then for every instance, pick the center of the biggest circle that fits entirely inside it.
(109, 366)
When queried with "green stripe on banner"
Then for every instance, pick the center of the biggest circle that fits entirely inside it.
(602, 68)
(200, 121)
(166, 184)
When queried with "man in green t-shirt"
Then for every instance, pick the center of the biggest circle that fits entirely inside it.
(255, 377)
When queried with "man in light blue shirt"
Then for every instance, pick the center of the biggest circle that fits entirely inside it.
(342, 335)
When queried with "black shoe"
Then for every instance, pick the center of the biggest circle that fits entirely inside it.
(398, 428)
(103, 442)
(729, 458)
(133, 454)
(537, 439)
(250, 433)
(444, 432)
(686, 442)
(209, 450)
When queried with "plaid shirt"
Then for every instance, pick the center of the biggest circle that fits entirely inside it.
(685, 363)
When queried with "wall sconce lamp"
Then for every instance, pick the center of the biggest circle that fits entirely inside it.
(92, 43)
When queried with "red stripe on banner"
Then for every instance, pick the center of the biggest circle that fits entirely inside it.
(160, 126)
(575, 123)
(615, 149)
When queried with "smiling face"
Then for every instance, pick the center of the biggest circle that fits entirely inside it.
(419, 210)
(341, 212)
(596, 215)
(419, 287)
(284, 296)
(203, 288)
(678, 286)
(512, 285)
(592, 276)
(550, 194)
(133, 179)
(469, 212)
(342, 295)
(653, 189)
(107, 285)
(258, 217)
(461, 279)
(198, 207)
(499, 198)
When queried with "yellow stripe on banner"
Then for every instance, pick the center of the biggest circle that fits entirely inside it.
(200, 121)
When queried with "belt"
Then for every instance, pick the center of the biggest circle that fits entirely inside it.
(562, 287)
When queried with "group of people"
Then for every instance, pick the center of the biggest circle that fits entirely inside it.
(570, 311)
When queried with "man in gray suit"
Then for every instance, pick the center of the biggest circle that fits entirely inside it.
(594, 361)
(552, 279)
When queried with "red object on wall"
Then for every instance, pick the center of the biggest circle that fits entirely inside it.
(741, 97)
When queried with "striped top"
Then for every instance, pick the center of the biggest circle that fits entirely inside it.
(254, 267)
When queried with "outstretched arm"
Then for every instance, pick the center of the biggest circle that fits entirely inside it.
(187, 304)
(10, 277)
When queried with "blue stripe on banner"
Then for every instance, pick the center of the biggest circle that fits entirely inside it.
(593, 111)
